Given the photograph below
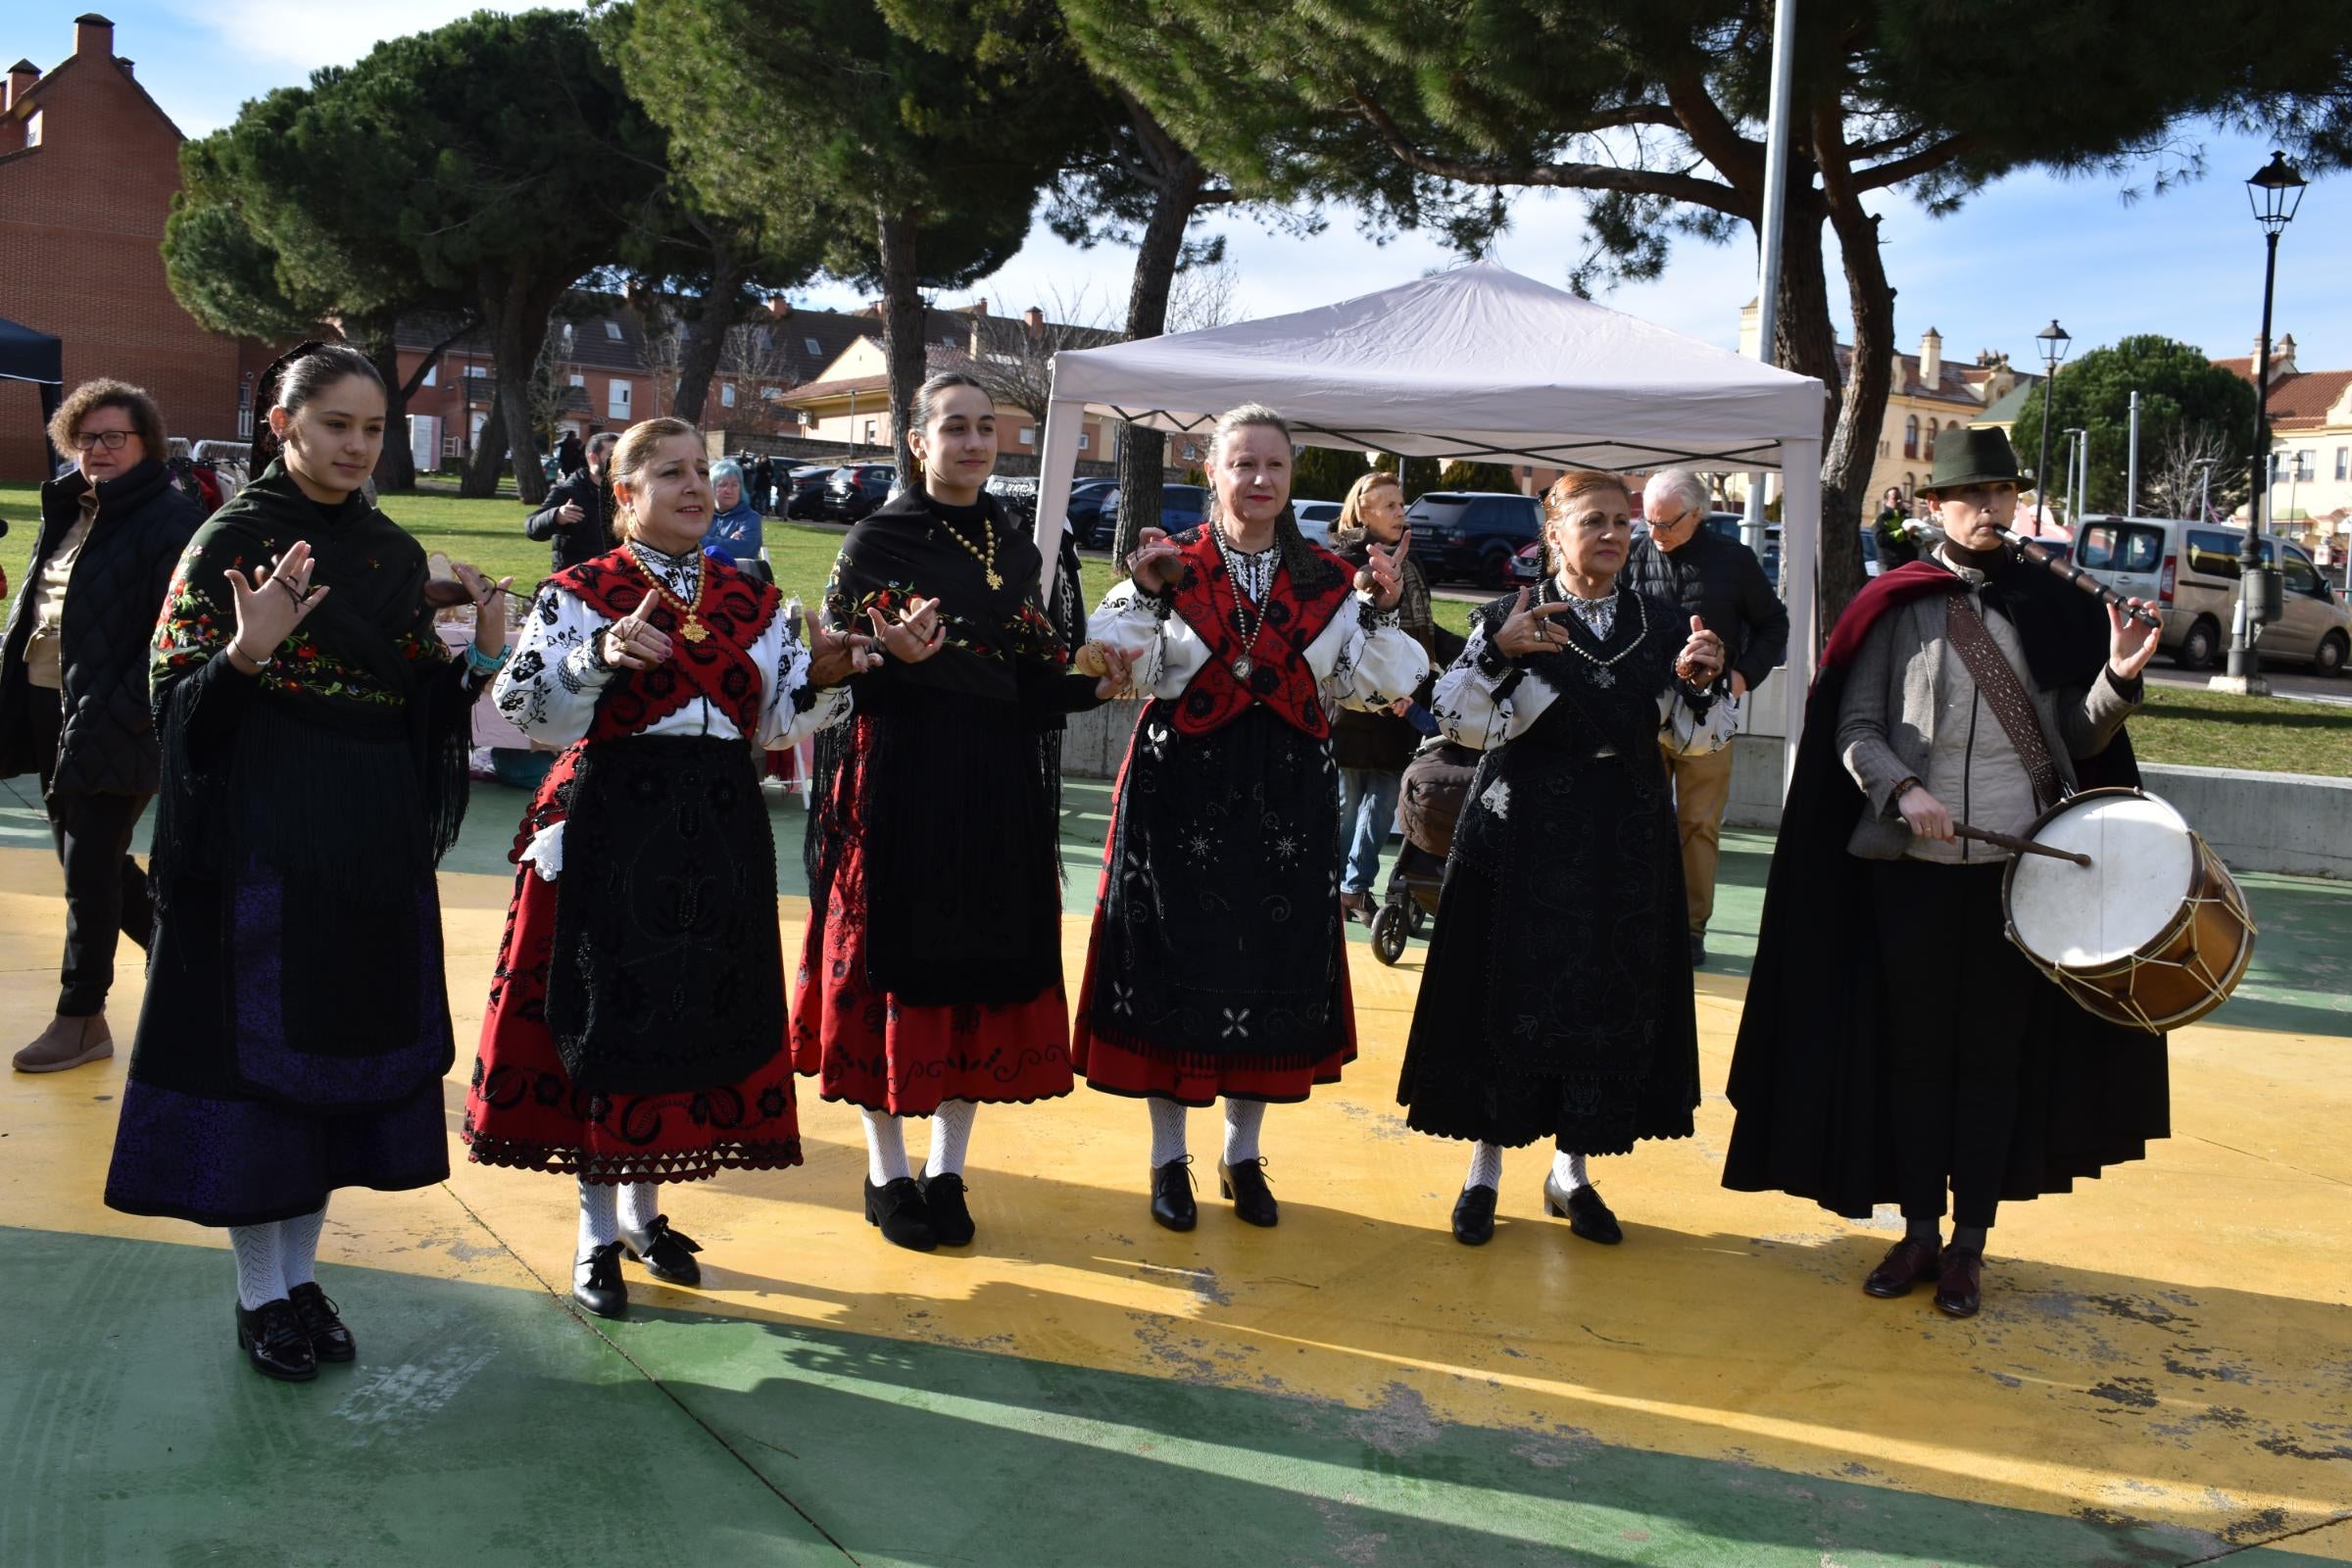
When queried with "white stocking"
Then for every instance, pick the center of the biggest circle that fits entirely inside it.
(1568, 1171)
(639, 1205)
(885, 1148)
(1486, 1166)
(1243, 1119)
(260, 1275)
(950, 1135)
(298, 1248)
(599, 1220)
(1168, 1131)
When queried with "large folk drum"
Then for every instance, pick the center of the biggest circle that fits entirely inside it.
(2153, 933)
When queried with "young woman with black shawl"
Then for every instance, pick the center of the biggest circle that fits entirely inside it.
(636, 1030)
(1556, 1000)
(1219, 967)
(314, 731)
(930, 981)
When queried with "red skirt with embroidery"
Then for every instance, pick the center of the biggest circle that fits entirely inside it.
(521, 1110)
(879, 1053)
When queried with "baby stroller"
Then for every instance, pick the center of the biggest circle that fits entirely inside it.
(1436, 784)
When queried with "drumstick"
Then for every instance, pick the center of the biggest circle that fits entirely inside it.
(2020, 846)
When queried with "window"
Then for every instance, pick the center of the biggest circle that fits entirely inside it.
(612, 330)
(869, 432)
(2303, 469)
(768, 394)
(1084, 440)
(1028, 435)
(2343, 463)
(2299, 576)
(813, 346)
(1911, 436)
(579, 381)
(432, 375)
(1884, 448)
(727, 395)
(2112, 547)
(2215, 555)
(476, 371)
(617, 404)
(32, 128)
(1929, 450)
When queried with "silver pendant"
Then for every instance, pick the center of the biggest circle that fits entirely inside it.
(1601, 677)
(1242, 668)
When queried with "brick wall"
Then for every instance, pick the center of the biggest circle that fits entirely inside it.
(82, 217)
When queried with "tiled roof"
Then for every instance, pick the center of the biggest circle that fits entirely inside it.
(1955, 383)
(2297, 402)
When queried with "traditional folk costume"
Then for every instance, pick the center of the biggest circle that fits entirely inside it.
(1217, 967)
(1893, 1041)
(930, 979)
(296, 1027)
(636, 1028)
(1556, 1000)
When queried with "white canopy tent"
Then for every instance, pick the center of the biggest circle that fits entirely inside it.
(1477, 362)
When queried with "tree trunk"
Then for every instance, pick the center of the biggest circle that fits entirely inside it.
(489, 452)
(1854, 447)
(396, 465)
(1806, 340)
(902, 328)
(518, 332)
(698, 362)
(1143, 454)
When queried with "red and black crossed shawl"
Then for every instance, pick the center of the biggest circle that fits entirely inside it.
(1296, 614)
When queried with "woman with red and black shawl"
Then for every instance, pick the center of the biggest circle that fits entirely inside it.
(1219, 967)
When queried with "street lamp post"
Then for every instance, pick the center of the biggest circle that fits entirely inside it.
(2275, 192)
(2077, 471)
(2053, 341)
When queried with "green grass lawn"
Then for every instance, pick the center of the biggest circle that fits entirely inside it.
(2200, 728)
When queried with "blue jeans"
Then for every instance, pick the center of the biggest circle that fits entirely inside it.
(1367, 810)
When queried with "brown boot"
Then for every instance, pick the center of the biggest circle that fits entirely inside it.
(67, 1043)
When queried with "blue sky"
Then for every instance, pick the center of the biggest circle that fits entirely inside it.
(2187, 264)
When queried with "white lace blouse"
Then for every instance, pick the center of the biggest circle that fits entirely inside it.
(1363, 658)
(549, 688)
(1471, 711)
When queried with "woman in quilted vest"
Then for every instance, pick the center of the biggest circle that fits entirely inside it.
(1218, 965)
(636, 1029)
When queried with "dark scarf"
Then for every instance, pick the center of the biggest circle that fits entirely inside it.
(364, 675)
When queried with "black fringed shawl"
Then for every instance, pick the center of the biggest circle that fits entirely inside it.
(289, 773)
(950, 781)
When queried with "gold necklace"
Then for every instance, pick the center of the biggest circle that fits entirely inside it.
(692, 628)
(984, 552)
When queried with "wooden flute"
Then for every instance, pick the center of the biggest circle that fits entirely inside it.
(2145, 614)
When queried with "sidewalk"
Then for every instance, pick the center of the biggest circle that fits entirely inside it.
(2162, 1375)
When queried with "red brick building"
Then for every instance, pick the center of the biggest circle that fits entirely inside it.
(88, 166)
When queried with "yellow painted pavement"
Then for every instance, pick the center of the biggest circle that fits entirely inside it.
(2171, 1345)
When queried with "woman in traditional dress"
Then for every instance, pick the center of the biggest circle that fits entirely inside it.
(930, 980)
(1556, 1000)
(314, 731)
(636, 1030)
(1219, 965)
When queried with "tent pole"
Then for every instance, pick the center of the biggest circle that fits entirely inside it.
(1801, 554)
(1057, 460)
(1769, 242)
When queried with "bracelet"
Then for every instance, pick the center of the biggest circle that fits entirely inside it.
(482, 663)
(1904, 788)
(259, 665)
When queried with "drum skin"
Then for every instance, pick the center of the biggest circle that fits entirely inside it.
(2177, 976)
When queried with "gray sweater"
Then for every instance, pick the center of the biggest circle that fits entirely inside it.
(1912, 710)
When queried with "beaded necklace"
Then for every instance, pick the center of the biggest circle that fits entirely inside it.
(1549, 590)
(691, 627)
(984, 552)
(1243, 664)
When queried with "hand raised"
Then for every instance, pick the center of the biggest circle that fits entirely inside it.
(2130, 643)
(834, 656)
(1701, 658)
(1528, 628)
(1155, 563)
(915, 636)
(633, 643)
(1385, 569)
(271, 601)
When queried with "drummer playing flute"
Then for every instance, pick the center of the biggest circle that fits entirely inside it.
(1895, 1044)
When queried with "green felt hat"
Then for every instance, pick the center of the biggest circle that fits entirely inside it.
(1971, 456)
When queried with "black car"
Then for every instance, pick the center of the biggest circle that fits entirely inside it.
(1471, 535)
(1084, 513)
(1181, 507)
(804, 490)
(856, 490)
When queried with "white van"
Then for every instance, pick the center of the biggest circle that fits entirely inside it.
(2191, 569)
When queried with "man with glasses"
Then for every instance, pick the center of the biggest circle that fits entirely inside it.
(576, 518)
(1718, 579)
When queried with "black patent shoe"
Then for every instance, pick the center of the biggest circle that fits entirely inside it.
(1474, 1216)
(1172, 1202)
(668, 1255)
(951, 1216)
(1587, 1216)
(329, 1340)
(597, 1284)
(1246, 1184)
(897, 1208)
(272, 1337)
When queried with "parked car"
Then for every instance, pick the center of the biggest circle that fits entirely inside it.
(1471, 535)
(2192, 569)
(1317, 519)
(1181, 507)
(804, 490)
(856, 490)
(1084, 513)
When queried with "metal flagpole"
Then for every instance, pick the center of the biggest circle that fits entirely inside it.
(1774, 226)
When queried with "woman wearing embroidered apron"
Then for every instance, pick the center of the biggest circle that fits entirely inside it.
(1556, 1000)
(636, 1029)
(314, 729)
(930, 981)
(1218, 963)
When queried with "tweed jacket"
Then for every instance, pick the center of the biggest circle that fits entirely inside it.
(1889, 720)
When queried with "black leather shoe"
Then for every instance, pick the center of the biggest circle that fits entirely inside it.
(1587, 1216)
(1245, 1185)
(329, 1340)
(1474, 1216)
(597, 1284)
(668, 1255)
(897, 1208)
(272, 1337)
(951, 1216)
(1906, 1264)
(1960, 1283)
(1172, 1202)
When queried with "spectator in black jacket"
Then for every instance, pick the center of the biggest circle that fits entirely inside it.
(578, 513)
(74, 687)
(1720, 581)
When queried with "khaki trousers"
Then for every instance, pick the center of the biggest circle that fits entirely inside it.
(1702, 788)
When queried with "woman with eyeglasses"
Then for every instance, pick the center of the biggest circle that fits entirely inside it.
(73, 688)
(1555, 1003)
